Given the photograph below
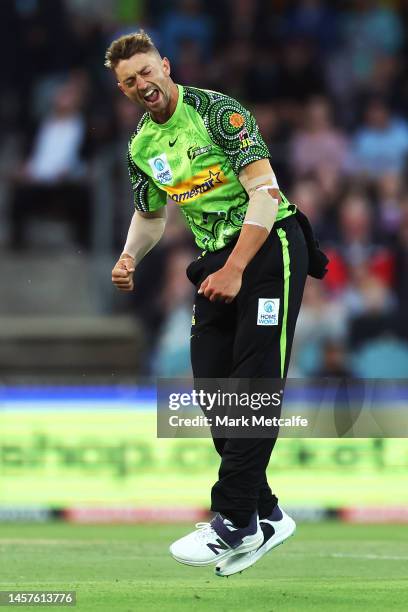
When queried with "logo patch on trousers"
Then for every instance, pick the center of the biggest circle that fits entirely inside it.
(268, 311)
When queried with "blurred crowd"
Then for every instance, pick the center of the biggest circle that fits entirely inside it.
(328, 84)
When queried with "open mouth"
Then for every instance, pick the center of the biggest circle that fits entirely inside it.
(152, 95)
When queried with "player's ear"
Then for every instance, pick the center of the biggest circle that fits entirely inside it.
(166, 66)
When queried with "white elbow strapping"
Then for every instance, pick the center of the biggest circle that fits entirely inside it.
(262, 209)
(143, 235)
(252, 184)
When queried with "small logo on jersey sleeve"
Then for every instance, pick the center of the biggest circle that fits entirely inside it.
(245, 140)
(236, 120)
(161, 169)
(268, 311)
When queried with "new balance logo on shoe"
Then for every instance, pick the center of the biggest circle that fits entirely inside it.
(216, 541)
(221, 546)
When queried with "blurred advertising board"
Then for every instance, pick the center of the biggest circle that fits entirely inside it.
(61, 448)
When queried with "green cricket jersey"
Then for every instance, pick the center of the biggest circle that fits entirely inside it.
(194, 159)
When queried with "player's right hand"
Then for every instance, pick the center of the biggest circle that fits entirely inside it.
(122, 273)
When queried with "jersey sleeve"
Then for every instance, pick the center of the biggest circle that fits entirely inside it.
(233, 128)
(146, 196)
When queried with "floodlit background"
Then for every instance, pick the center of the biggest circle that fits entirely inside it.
(328, 84)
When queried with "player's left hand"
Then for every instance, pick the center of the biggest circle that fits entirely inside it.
(222, 285)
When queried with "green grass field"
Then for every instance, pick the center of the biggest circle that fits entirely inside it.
(328, 566)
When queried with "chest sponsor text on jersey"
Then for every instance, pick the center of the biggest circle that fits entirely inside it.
(197, 185)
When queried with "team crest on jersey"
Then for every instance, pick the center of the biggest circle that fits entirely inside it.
(236, 120)
(161, 169)
(245, 140)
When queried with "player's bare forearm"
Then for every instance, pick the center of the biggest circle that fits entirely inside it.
(225, 283)
(250, 240)
(264, 197)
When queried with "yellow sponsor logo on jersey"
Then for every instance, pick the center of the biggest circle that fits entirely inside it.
(197, 185)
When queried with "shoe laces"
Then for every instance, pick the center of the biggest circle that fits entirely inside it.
(205, 530)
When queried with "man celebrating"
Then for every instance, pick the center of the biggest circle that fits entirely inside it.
(203, 150)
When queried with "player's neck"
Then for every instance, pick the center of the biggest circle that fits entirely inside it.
(165, 114)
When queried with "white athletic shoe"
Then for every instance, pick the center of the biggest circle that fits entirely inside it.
(216, 541)
(277, 528)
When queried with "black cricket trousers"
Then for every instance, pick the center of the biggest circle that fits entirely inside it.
(228, 341)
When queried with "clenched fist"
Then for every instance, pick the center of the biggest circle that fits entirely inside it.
(222, 285)
(122, 273)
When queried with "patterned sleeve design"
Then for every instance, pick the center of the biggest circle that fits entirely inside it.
(231, 126)
(147, 197)
(140, 185)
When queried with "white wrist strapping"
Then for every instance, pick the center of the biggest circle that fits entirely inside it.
(144, 233)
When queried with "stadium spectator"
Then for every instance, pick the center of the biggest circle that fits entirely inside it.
(233, 70)
(190, 63)
(401, 270)
(320, 318)
(367, 293)
(276, 135)
(389, 191)
(300, 74)
(306, 194)
(380, 146)
(243, 19)
(333, 185)
(357, 243)
(172, 356)
(53, 178)
(187, 21)
(335, 362)
(318, 144)
(368, 30)
(312, 19)
(355, 228)
(384, 81)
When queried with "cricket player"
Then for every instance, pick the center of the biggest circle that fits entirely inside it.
(202, 151)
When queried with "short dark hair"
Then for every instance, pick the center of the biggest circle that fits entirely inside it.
(126, 46)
